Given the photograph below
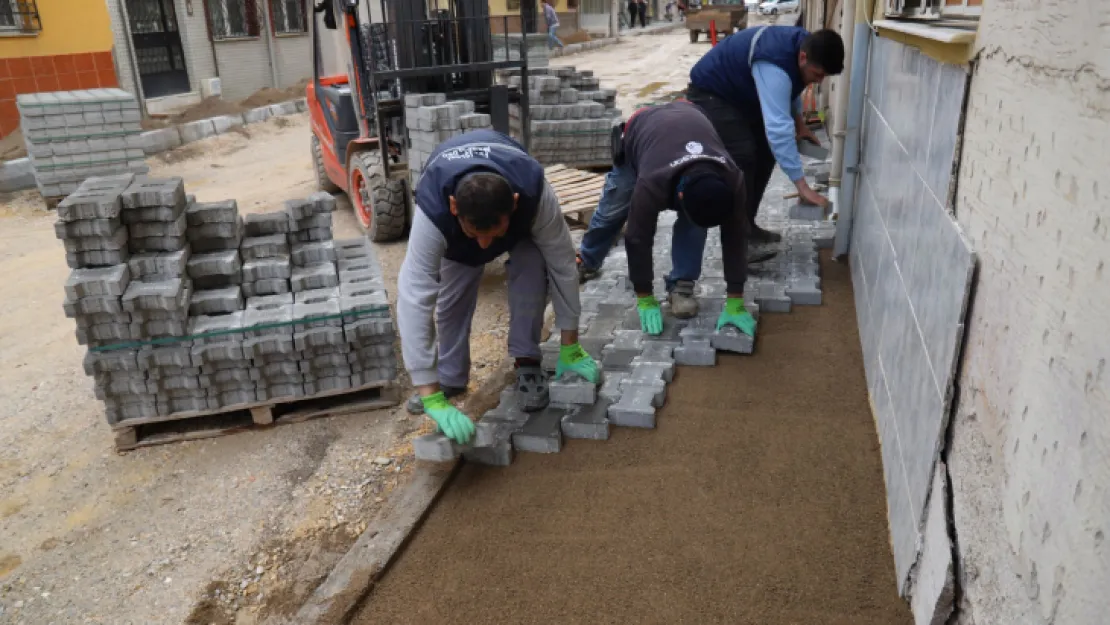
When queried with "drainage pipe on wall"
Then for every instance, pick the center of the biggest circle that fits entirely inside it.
(269, 31)
(861, 47)
(840, 113)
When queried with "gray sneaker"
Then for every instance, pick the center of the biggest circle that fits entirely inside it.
(415, 406)
(683, 304)
(531, 387)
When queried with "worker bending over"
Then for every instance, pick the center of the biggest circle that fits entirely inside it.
(750, 87)
(670, 157)
(480, 196)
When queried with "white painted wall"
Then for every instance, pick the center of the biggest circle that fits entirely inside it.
(294, 58)
(244, 67)
(1030, 453)
(194, 40)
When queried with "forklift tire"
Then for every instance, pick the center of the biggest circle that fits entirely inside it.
(379, 202)
(322, 181)
(694, 36)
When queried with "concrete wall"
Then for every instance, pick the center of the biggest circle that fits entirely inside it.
(243, 65)
(294, 59)
(1029, 457)
(911, 272)
(195, 42)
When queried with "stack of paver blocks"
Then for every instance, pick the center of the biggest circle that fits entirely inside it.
(74, 135)
(431, 119)
(507, 48)
(166, 293)
(636, 368)
(572, 117)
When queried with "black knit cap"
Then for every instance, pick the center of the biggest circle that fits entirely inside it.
(706, 199)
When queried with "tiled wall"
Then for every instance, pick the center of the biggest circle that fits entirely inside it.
(59, 72)
(912, 269)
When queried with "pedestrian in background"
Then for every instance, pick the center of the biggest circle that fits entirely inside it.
(642, 10)
(552, 20)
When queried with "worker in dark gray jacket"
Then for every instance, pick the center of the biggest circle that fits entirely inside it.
(672, 158)
(481, 196)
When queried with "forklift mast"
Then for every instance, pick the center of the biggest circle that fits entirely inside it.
(421, 46)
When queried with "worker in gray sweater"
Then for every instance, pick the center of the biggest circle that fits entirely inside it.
(670, 157)
(481, 196)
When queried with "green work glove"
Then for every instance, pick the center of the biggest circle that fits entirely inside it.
(651, 318)
(737, 316)
(451, 421)
(574, 359)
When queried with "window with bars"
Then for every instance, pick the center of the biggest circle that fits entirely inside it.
(19, 16)
(934, 9)
(290, 16)
(962, 8)
(231, 19)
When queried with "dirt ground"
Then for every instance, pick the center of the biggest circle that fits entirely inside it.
(224, 530)
(758, 500)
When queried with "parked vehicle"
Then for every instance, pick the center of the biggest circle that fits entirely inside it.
(774, 7)
(726, 16)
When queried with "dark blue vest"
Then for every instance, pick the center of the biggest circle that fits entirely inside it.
(479, 150)
(724, 71)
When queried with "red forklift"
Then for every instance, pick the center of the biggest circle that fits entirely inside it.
(360, 143)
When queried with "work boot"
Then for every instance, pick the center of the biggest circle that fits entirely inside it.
(759, 235)
(585, 274)
(531, 386)
(759, 255)
(683, 304)
(415, 406)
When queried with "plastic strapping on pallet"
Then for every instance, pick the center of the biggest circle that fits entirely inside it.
(95, 135)
(169, 340)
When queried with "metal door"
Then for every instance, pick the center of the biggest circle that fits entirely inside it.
(158, 49)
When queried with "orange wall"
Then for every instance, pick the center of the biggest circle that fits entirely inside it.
(72, 51)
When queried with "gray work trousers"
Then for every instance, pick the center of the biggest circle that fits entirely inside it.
(458, 296)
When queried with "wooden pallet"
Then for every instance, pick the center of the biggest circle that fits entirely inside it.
(194, 425)
(578, 192)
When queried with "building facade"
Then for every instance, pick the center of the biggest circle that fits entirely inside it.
(976, 220)
(51, 45)
(170, 50)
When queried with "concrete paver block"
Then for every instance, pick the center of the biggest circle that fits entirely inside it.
(435, 448)
(267, 269)
(216, 301)
(262, 224)
(588, 422)
(165, 295)
(106, 281)
(268, 246)
(695, 353)
(145, 191)
(542, 433)
(731, 339)
(572, 389)
(304, 254)
(317, 276)
(635, 408)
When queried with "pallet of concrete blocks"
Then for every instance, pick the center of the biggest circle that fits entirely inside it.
(175, 333)
(507, 48)
(431, 119)
(571, 116)
(75, 135)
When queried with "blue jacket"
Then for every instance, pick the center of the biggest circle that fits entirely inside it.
(725, 71)
(479, 150)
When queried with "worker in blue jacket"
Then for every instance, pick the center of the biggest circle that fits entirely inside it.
(750, 88)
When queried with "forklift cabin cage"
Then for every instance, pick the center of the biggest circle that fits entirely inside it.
(452, 52)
